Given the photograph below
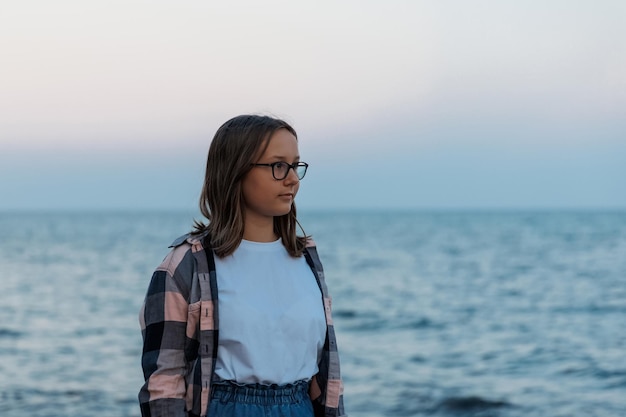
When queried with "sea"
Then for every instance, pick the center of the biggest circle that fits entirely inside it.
(437, 313)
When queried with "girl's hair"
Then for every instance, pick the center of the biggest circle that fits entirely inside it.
(233, 150)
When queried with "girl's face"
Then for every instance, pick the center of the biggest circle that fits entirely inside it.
(264, 196)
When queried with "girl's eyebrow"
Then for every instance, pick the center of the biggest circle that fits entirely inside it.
(296, 158)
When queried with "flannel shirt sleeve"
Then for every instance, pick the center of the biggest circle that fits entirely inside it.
(328, 382)
(163, 320)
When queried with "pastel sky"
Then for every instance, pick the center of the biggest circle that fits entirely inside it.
(398, 103)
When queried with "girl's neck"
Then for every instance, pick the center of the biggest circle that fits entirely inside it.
(259, 230)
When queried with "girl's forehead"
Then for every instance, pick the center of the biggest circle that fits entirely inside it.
(281, 144)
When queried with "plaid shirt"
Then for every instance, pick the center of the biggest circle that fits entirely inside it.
(180, 328)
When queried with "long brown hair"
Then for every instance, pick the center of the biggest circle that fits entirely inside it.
(233, 150)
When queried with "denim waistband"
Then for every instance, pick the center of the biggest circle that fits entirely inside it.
(260, 393)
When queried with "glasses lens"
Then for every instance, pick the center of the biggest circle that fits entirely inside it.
(301, 170)
(280, 170)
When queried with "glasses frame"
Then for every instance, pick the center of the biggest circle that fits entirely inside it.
(291, 166)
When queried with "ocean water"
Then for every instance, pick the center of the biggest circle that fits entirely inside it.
(437, 314)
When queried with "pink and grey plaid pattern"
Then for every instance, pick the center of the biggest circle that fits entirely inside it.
(179, 324)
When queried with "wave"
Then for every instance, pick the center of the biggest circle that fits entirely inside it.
(10, 334)
(471, 403)
(469, 406)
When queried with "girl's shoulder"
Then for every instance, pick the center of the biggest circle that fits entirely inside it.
(181, 259)
(180, 240)
(181, 264)
(188, 242)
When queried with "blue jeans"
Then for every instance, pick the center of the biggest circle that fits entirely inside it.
(230, 399)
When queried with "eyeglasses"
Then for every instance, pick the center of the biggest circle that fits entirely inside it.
(280, 169)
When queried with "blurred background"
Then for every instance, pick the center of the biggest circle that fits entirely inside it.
(466, 189)
(398, 104)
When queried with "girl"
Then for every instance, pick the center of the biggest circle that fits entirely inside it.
(237, 319)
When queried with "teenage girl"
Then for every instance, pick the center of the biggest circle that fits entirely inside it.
(237, 318)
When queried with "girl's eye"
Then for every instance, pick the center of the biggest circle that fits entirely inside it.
(281, 167)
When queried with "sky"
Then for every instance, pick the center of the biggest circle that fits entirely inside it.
(398, 104)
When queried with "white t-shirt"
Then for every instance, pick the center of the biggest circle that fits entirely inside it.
(271, 316)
